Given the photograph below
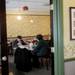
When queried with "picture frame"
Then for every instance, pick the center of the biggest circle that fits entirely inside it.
(72, 23)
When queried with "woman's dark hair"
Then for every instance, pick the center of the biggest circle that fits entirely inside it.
(39, 37)
(22, 42)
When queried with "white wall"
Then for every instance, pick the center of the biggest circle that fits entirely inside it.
(69, 68)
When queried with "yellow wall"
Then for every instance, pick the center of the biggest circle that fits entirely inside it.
(69, 45)
(41, 24)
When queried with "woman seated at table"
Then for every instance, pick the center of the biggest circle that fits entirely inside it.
(42, 48)
(22, 56)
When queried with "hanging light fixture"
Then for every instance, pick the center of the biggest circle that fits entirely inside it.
(25, 8)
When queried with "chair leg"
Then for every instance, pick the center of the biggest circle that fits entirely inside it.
(47, 63)
(41, 62)
(44, 62)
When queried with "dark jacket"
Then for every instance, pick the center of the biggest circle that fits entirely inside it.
(23, 59)
(42, 48)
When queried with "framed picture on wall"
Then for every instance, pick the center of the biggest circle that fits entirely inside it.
(72, 23)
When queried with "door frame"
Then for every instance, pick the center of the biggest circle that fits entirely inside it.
(3, 39)
(58, 36)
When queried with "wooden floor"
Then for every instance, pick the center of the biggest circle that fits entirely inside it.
(33, 72)
(13, 71)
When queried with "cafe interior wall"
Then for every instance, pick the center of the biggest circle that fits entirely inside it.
(69, 45)
(28, 25)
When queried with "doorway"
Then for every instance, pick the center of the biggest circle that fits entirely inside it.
(27, 23)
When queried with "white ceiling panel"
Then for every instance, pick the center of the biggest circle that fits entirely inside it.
(33, 5)
(43, 1)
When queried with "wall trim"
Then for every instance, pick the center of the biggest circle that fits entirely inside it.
(69, 59)
(58, 37)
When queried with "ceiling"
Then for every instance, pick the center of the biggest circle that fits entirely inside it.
(34, 6)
